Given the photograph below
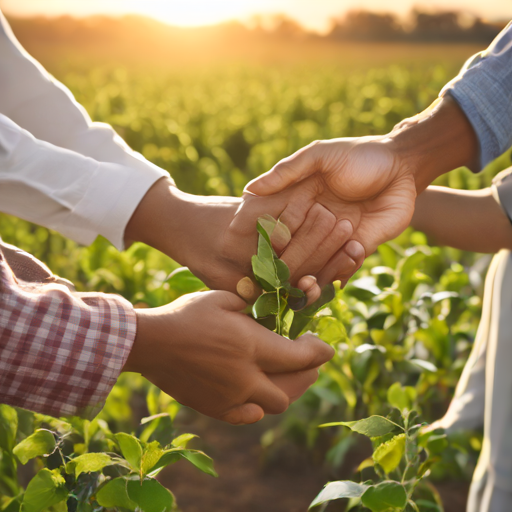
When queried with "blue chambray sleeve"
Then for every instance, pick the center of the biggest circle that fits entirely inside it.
(483, 89)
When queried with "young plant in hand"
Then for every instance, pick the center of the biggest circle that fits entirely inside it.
(274, 308)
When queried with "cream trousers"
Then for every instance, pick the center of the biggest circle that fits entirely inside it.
(484, 393)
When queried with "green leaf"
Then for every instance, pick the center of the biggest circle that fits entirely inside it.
(150, 495)
(389, 454)
(265, 250)
(424, 365)
(115, 494)
(283, 272)
(265, 227)
(265, 305)
(8, 427)
(366, 284)
(182, 441)
(183, 281)
(338, 490)
(88, 463)
(331, 330)
(303, 317)
(374, 426)
(13, 505)
(169, 457)
(152, 454)
(130, 448)
(385, 497)
(40, 443)
(264, 270)
(200, 461)
(437, 444)
(399, 397)
(47, 488)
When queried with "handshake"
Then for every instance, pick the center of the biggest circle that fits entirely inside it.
(340, 199)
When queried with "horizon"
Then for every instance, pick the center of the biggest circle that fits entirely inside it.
(315, 16)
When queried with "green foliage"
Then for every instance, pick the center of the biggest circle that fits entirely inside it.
(400, 461)
(409, 317)
(40, 443)
(85, 463)
(279, 295)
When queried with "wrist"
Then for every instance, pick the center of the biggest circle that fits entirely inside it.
(148, 330)
(161, 219)
(435, 142)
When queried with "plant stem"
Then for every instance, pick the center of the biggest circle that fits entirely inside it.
(278, 317)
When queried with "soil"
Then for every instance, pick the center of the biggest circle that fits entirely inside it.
(251, 479)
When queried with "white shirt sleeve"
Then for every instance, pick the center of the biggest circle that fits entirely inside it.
(57, 167)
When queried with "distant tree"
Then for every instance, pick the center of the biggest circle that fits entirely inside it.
(367, 26)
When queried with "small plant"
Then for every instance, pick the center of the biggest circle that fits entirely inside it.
(83, 466)
(273, 307)
(402, 458)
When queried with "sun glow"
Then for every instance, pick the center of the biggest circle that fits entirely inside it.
(312, 14)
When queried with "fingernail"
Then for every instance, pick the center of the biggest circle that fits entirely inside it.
(307, 282)
(355, 250)
(297, 303)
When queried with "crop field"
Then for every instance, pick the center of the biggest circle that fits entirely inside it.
(405, 322)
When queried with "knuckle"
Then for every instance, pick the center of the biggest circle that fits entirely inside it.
(326, 222)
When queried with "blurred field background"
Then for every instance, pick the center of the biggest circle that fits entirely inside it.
(217, 106)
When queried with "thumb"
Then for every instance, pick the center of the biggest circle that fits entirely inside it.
(288, 171)
(226, 300)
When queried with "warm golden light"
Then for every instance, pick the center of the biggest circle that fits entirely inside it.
(313, 14)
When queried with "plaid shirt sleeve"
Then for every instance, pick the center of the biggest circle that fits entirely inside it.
(60, 352)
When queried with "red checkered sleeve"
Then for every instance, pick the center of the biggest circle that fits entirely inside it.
(60, 352)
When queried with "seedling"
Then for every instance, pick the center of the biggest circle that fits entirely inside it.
(402, 458)
(273, 307)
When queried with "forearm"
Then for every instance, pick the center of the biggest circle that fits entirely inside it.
(435, 142)
(60, 352)
(467, 220)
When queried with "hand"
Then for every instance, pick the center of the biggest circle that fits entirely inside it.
(375, 179)
(203, 351)
(216, 236)
(360, 180)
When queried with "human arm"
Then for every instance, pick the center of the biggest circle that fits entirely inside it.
(60, 352)
(376, 178)
(373, 181)
(468, 220)
(207, 354)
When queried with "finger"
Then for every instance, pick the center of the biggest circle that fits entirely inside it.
(276, 354)
(309, 285)
(227, 300)
(343, 265)
(290, 170)
(271, 398)
(318, 226)
(243, 414)
(294, 384)
(248, 289)
(327, 249)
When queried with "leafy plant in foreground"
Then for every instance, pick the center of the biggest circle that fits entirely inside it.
(83, 466)
(273, 307)
(402, 458)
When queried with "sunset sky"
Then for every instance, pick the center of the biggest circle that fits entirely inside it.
(313, 14)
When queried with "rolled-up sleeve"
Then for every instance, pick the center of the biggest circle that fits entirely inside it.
(483, 89)
(75, 176)
(60, 352)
